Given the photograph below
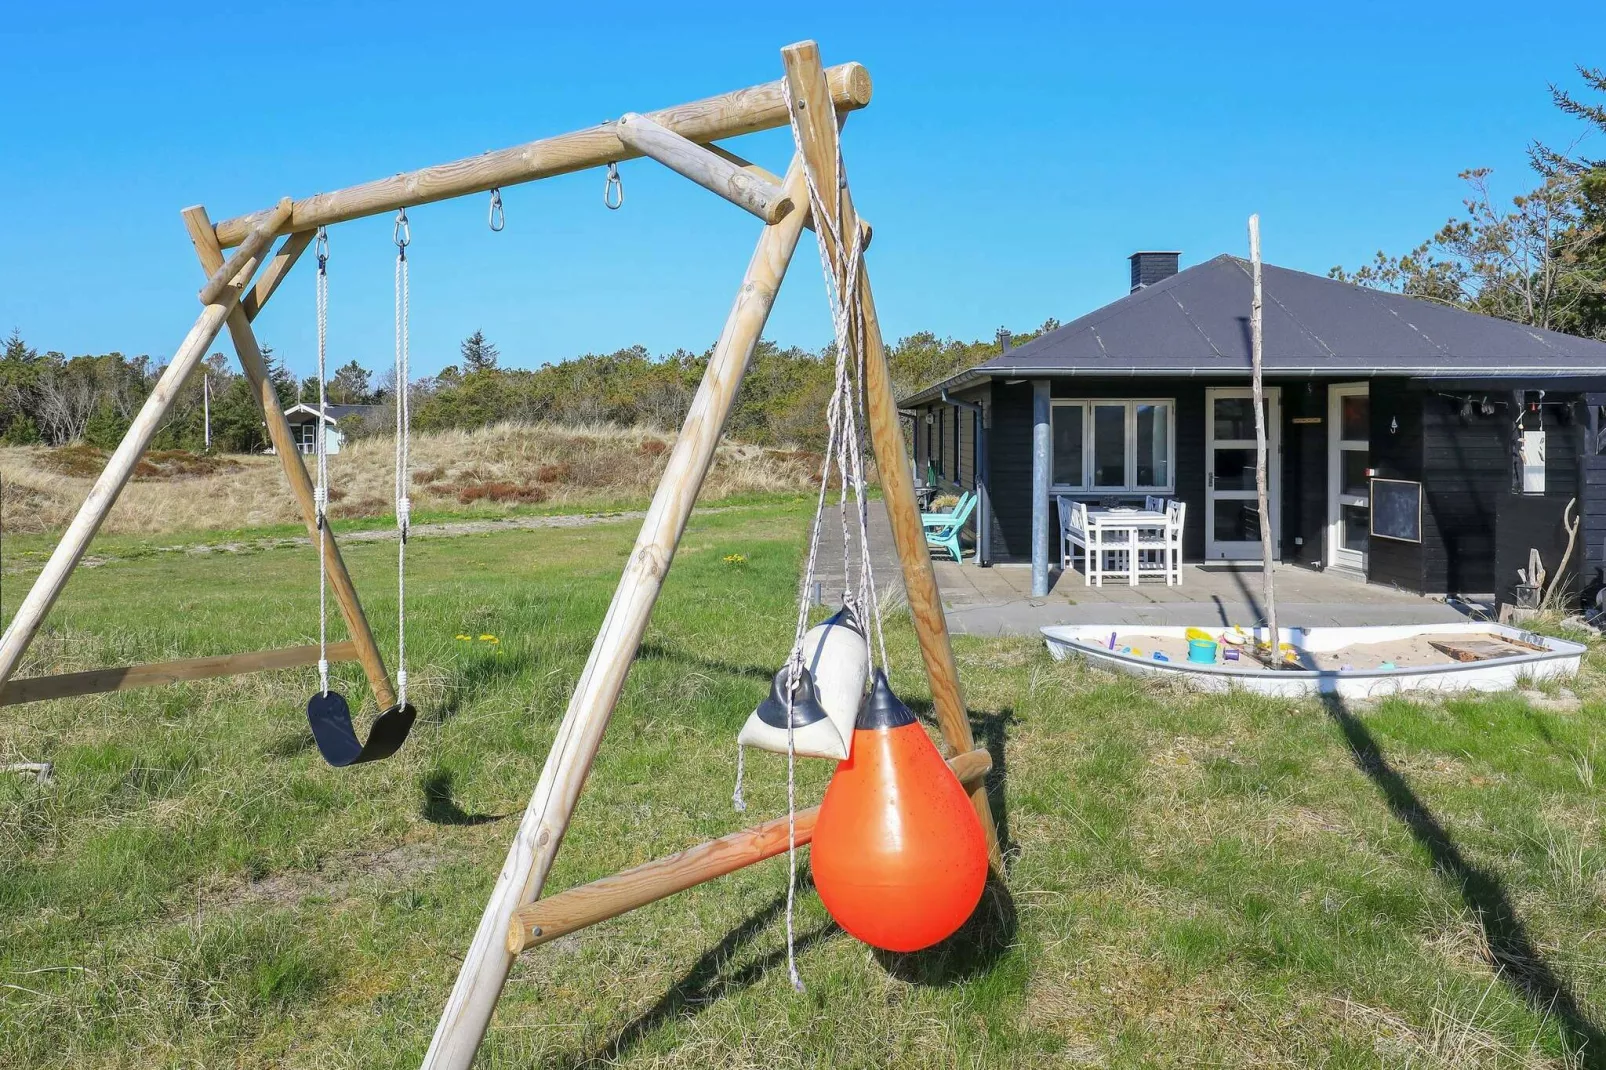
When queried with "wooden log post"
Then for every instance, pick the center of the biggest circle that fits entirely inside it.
(1257, 346)
(255, 367)
(48, 585)
(817, 125)
(708, 169)
(577, 908)
(485, 967)
(745, 111)
(129, 677)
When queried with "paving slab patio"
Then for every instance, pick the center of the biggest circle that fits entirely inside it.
(998, 600)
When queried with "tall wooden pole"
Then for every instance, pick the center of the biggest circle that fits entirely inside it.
(817, 124)
(47, 587)
(546, 819)
(1268, 540)
(255, 366)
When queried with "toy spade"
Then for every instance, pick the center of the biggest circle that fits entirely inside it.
(899, 857)
(330, 720)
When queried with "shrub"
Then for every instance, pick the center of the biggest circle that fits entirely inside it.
(501, 490)
(553, 473)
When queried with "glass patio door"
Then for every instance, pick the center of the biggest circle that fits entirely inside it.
(1232, 509)
(1349, 455)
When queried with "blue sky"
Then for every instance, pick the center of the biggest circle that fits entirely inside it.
(1012, 157)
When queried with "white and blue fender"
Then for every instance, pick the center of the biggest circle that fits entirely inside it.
(826, 699)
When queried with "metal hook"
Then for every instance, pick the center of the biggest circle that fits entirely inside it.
(322, 249)
(613, 192)
(402, 235)
(498, 218)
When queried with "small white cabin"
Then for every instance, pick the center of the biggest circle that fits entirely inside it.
(303, 420)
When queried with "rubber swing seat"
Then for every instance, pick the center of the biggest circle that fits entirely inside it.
(330, 719)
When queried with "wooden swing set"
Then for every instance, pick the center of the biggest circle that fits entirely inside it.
(815, 101)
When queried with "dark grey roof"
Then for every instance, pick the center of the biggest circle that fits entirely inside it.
(336, 412)
(1196, 323)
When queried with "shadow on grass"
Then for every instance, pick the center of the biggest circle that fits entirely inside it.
(439, 807)
(701, 985)
(971, 951)
(652, 648)
(1516, 960)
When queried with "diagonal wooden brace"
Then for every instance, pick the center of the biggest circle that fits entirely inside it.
(52, 579)
(576, 908)
(279, 433)
(485, 967)
(817, 123)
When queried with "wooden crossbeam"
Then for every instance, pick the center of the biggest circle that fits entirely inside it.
(745, 111)
(255, 367)
(817, 123)
(129, 677)
(710, 170)
(577, 908)
(761, 173)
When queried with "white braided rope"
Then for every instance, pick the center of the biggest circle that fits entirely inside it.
(841, 265)
(403, 381)
(320, 494)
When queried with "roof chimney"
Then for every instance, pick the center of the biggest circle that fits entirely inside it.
(1149, 268)
(1004, 339)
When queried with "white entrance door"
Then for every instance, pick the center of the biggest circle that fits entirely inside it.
(1232, 512)
(1349, 505)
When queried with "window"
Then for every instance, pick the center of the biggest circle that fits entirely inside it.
(1116, 445)
(1067, 467)
(942, 448)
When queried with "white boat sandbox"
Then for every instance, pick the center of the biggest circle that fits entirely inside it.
(1537, 658)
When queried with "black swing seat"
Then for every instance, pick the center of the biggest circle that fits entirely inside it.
(330, 720)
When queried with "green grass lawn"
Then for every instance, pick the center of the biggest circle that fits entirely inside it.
(1193, 881)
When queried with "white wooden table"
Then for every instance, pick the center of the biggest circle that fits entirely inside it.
(1116, 530)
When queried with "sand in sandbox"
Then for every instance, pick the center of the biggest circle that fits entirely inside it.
(1414, 653)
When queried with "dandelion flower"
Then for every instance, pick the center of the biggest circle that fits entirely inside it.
(466, 638)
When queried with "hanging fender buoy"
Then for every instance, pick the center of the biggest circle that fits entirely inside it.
(899, 858)
(830, 687)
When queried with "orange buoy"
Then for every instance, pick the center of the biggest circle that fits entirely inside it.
(899, 858)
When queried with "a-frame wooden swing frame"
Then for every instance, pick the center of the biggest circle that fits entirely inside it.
(681, 138)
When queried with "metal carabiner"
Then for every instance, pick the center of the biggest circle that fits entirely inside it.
(498, 217)
(321, 247)
(402, 234)
(613, 191)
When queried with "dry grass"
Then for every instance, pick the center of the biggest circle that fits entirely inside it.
(487, 472)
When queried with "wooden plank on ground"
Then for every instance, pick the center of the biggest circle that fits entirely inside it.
(1478, 649)
(129, 677)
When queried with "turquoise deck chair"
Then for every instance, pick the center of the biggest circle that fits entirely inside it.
(942, 529)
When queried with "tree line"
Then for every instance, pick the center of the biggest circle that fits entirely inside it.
(50, 399)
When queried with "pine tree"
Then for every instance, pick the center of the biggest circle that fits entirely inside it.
(478, 354)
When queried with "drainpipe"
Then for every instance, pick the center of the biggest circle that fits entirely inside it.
(984, 515)
(1042, 440)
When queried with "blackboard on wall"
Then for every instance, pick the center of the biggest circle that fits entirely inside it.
(1397, 509)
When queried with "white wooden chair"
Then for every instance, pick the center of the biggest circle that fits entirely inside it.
(1073, 530)
(1154, 503)
(1159, 550)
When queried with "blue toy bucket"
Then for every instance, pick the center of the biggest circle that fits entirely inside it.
(1202, 651)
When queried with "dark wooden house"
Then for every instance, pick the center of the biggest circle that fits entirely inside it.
(1415, 444)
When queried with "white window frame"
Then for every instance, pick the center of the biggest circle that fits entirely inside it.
(1131, 485)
